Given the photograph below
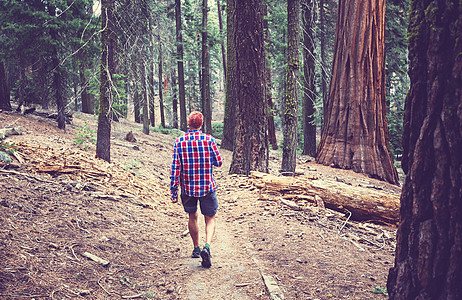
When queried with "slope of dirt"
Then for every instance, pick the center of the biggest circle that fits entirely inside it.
(58, 203)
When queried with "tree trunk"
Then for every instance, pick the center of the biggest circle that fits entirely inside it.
(355, 132)
(103, 139)
(322, 39)
(152, 107)
(269, 99)
(145, 101)
(152, 116)
(174, 101)
(229, 122)
(84, 97)
(289, 147)
(251, 144)
(223, 52)
(428, 262)
(309, 80)
(206, 101)
(136, 95)
(161, 96)
(5, 103)
(58, 84)
(44, 87)
(179, 49)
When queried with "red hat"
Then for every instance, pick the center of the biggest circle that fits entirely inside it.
(195, 120)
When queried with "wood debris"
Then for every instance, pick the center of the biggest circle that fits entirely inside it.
(87, 173)
(362, 202)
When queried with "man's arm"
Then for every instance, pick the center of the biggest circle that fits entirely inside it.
(217, 160)
(175, 175)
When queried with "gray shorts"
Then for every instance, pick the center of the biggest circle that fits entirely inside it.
(207, 203)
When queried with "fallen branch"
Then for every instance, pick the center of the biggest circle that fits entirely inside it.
(103, 286)
(363, 203)
(25, 175)
(134, 147)
(96, 258)
(133, 297)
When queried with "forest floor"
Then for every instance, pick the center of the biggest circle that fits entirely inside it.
(58, 203)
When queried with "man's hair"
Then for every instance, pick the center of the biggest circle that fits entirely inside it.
(195, 120)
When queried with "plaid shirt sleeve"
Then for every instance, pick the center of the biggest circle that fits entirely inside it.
(217, 161)
(175, 172)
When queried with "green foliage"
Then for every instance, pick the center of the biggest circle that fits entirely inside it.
(217, 130)
(133, 166)
(170, 131)
(6, 149)
(37, 35)
(85, 136)
(5, 157)
(397, 81)
(380, 290)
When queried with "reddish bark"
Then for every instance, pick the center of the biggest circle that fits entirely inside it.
(355, 132)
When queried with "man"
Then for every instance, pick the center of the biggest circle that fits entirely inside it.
(194, 156)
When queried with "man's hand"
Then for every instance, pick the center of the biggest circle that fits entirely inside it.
(174, 199)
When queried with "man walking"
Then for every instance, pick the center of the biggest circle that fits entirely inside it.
(194, 156)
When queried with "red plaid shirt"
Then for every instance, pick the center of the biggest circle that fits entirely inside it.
(194, 156)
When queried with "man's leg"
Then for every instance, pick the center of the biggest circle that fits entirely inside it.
(210, 224)
(193, 227)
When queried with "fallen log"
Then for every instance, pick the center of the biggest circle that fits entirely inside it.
(363, 203)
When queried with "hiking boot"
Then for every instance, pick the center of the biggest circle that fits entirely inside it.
(205, 254)
(196, 253)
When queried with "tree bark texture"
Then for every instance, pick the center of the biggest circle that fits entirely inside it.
(355, 132)
(428, 261)
(145, 101)
(57, 83)
(103, 139)
(152, 116)
(84, 96)
(322, 40)
(179, 50)
(269, 98)
(309, 79)
(5, 103)
(289, 146)
(223, 52)
(206, 101)
(161, 96)
(251, 142)
(229, 120)
(174, 101)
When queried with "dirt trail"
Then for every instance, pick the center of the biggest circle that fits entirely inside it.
(232, 273)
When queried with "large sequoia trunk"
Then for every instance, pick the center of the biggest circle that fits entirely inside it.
(428, 263)
(355, 132)
(251, 143)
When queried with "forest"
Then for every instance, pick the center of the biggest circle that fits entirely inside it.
(368, 86)
(169, 58)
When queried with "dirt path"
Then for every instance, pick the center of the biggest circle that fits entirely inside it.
(233, 274)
